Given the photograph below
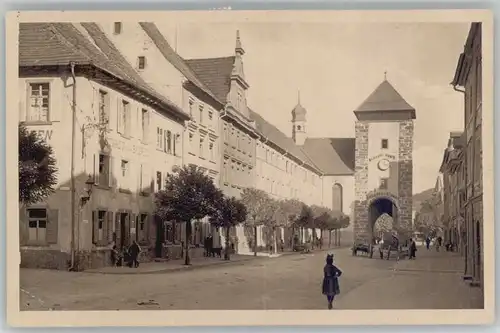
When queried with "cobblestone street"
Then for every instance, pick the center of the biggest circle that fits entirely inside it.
(288, 282)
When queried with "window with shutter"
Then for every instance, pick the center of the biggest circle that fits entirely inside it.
(101, 222)
(52, 226)
(111, 174)
(142, 227)
(133, 228)
(95, 230)
(117, 233)
(102, 170)
(109, 229)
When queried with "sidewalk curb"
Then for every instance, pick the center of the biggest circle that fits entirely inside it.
(207, 265)
(178, 269)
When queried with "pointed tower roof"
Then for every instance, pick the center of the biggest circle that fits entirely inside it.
(237, 72)
(385, 98)
(299, 112)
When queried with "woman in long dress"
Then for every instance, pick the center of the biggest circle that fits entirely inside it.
(330, 280)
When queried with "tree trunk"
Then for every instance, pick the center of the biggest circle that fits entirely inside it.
(187, 260)
(275, 241)
(226, 252)
(254, 240)
(293, 237)
(320, 239)
(339, 237)
(329, 238)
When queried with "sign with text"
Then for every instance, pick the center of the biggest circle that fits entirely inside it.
(45, 135)
(126, 146)
(382, 194)
(388, 156)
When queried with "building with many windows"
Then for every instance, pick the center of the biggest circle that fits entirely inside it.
(135, 123)
(452, 170)
(155, 60)
(314, 170)
(225, 78)
(101, 118)
(468, 80)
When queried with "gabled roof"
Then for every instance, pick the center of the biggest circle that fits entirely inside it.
(174, 58)
(215, 73)
(333, 156)
(384, 98)
(58, 44)
(277, 137)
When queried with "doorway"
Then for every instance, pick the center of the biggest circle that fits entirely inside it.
(160, 233)
(382, 217)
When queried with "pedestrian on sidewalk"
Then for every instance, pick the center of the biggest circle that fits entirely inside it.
(427, 242)
(439, 241)
(330, 286)
(134, 251)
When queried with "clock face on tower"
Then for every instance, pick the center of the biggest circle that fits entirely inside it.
(383, 164)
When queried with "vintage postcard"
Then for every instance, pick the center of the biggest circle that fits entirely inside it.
(186, 163)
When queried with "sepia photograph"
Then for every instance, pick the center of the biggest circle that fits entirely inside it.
(251, 164)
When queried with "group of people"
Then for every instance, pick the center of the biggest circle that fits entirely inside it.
(438, 243)
(128, 255)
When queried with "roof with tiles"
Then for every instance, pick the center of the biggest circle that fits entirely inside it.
(280, 139)
(384, 98)
(55, 44)
(327, 155)
(333, 156)
(174, 58)
(215, 73)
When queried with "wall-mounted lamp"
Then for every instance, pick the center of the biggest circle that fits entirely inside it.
(89, 183)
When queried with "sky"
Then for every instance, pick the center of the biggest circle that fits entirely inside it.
(335, 66)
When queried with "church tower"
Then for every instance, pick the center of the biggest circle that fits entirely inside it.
(236, 97)
(383, 162)
(299, 134)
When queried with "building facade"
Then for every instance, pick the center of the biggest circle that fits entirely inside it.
(225, 78)
(285, 167)
(452, 168)
(384, 163)
(468, 80)
(150, 52)
(113, 151)
(136, 123)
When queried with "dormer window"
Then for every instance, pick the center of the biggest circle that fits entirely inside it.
(298, 128)
(141, 62)
(117, 28)
(240, 101)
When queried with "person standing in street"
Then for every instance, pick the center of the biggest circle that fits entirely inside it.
(413, 249)
(427, 242)
(439, 241)
(134, 251)
(330, 287)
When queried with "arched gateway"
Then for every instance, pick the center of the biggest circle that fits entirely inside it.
(384, 162)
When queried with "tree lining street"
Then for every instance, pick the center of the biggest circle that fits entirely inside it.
(288, 282)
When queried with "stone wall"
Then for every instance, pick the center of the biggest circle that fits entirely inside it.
(55, 259)
(405, 187)
(361, 227)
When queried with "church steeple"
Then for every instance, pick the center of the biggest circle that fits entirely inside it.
(299, 122)
(238, 50)
(237, 92)
(237, 72)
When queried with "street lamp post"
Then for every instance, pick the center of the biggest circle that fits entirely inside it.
(84, 199)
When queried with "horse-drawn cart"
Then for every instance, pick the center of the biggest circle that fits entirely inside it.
(362, 247)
